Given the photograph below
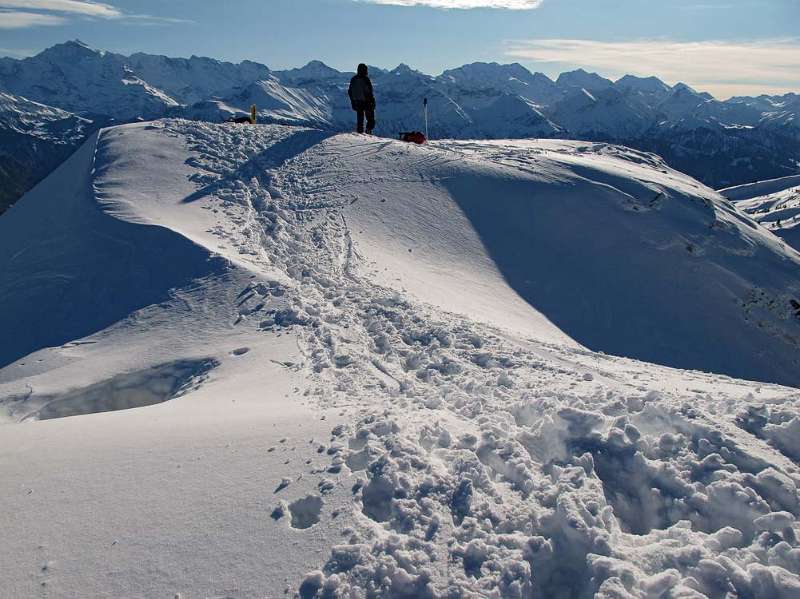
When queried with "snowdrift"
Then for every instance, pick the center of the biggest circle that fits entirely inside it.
(248, 361)
(112, 303)
(617, 251)
(68, 269)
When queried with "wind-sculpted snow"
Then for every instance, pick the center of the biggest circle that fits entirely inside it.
(121, 392)
(69, 270)
(471, 446)
(601, 242)
(482, 463)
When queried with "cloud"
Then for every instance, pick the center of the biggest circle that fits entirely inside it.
(20, 20)
(81, 7)
(57, 12)
(17, 52)
(721, 67)
(464, 4)
(154, 20)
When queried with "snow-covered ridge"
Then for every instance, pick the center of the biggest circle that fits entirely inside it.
(723, 143)
(20, 115)
(750, 191)
(775, 204)
(358, 373)
(34, 139)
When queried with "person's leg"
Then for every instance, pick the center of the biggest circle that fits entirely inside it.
(360, 120)
(370, 119)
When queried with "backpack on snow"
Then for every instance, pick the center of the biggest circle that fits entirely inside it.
(416, 137)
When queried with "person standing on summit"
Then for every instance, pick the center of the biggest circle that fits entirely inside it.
(362, 99)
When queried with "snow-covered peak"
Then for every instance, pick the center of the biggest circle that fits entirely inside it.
(603, 112)
(487, 73)
(649, 85)
(70, 50)
(319, 68)
(197, 78)
(682, 89)
(76, 78)
(680, 103)
(314, 71)
(494, 75)
(403, 80)
(645, 92)
(404, 70)
(583, 79)
(469, 82)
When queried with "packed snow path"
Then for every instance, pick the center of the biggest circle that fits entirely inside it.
(479, 450)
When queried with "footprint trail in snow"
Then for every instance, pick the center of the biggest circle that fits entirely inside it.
(484, 463)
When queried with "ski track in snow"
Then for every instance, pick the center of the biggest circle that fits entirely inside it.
(484, 464)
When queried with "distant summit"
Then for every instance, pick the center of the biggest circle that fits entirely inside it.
(582, 79)
(650, 85)
(314, 70)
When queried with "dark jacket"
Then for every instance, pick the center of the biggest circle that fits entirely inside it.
(360, 92)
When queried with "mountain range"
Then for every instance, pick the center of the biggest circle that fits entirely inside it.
(721, 143)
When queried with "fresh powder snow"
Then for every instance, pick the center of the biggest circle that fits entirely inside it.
(264, 361)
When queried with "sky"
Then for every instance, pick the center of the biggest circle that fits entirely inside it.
(725, 47)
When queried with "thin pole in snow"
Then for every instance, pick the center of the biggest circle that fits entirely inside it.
(425, 104)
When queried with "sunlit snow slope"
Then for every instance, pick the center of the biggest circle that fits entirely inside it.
(774, 203)
(248, 361)
(616, 250)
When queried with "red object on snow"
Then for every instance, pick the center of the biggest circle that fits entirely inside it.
(415, 137)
